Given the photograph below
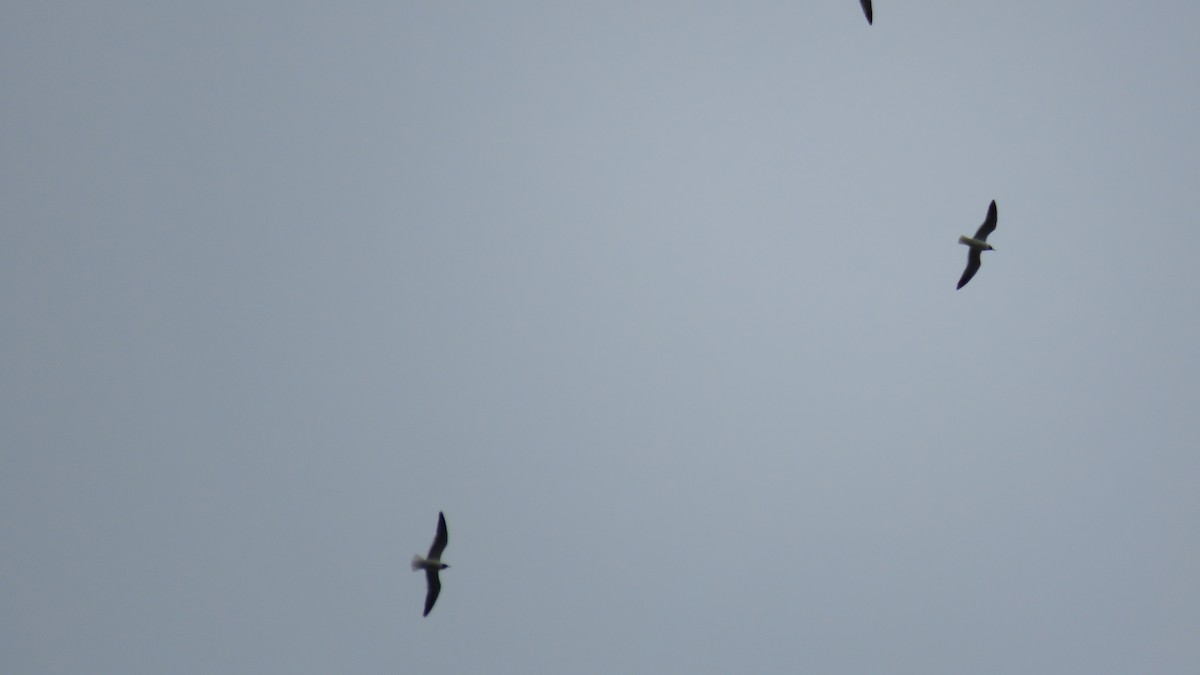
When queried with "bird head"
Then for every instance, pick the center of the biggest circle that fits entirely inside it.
(988, 247)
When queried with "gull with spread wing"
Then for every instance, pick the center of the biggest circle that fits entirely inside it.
(978, 245)
(432, 564)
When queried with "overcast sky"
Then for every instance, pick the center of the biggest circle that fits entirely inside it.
(654, 299)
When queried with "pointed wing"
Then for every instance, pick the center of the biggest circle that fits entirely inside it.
(988, 225)
(435, 587)
(866, 5)
(974, 260)
(439, 541)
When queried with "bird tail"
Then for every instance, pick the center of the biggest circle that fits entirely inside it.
(963, 240)
(417, 562)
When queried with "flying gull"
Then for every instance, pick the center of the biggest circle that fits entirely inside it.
(978, 245)
(433, 563)
(867, 10)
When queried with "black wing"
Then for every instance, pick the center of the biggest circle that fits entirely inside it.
(988, 225)
(439, 542)
(435, 587)
(866, 4)
(973, 262)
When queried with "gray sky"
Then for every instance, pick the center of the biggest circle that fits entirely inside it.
(657, 297)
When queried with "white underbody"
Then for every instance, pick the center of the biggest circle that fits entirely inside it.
(975, 243)
(419, 563)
